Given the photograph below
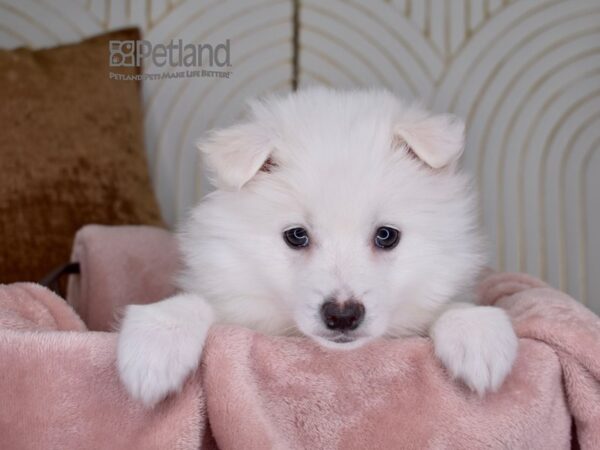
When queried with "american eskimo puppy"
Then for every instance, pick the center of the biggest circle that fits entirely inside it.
(340, 215)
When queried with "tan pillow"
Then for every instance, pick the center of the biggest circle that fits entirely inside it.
(71, 153)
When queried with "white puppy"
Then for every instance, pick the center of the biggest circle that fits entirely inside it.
(339, 215)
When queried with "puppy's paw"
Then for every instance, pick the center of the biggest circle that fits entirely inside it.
(477, 345)
(160, 344)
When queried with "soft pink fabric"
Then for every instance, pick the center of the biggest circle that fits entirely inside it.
(259, 392)
(120, 265)
(59, 387)
(27, 306)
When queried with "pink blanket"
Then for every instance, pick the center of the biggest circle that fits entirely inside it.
(59, 388)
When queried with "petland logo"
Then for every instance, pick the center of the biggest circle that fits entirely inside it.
(193, 57)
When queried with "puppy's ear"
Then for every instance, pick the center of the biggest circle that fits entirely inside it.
(234, 155)
(438, 141)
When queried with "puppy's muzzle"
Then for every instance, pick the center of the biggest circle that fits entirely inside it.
(346, 316)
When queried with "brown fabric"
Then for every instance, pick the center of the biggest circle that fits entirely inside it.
(71, 152)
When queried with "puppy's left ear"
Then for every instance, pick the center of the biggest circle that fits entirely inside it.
(235, 155)
(438, 141)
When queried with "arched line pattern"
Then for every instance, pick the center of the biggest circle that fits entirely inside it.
(62, 17)
(486, 49)
(583, 228)
(447, 40)
(232, 93)
(328, 36)
(250, 77)
(309, 74)
(469, 32)
(504, 60)
(428, 69)
(104, 20)
(517, 112)
(540, 55)
(249, 83)
(154, 151)
(152, 21)
(174, 100)
(21, 39)
(172, 34)
(173, 30)
(324, 34)
(128, 11)
(537, 118)
(524, 153)
(474, 110)
(278, 87)
(343, 72)
(433, 24)
(79, 18)
(365, 37)
(262, 48)
(494, 72)
(38, 26)
(591, 123)
(589, 97)
(463, 72)
(211, 123)
(33, 21)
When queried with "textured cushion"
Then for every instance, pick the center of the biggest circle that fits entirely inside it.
(71, 152)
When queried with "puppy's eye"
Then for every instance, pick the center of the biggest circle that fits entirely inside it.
(296, 238)
(386, 238)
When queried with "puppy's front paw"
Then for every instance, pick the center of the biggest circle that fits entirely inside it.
(477, 345)
(160, 344)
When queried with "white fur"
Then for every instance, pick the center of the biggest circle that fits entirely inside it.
(476, 344)
(346, 163)
(160, 345)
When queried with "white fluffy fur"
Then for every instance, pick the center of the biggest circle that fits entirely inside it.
(346, 163)
(476, 344)
(160, 345)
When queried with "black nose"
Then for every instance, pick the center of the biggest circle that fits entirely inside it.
(342, 316)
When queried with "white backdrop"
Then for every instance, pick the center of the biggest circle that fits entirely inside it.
(524, 74)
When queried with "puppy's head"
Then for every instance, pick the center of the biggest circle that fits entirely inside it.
(338, 214)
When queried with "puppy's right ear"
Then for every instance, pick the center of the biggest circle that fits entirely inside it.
(234, 155)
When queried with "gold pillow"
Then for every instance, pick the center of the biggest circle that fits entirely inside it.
(71, 152)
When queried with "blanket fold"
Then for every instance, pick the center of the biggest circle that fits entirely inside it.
(120, 265)
(59, 387)
(571, 330)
